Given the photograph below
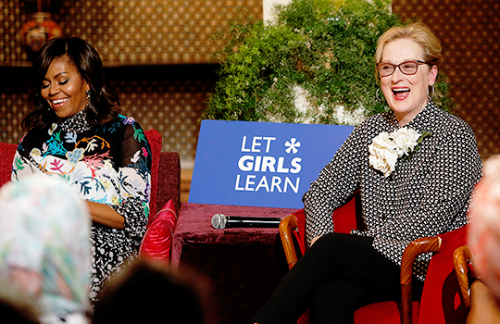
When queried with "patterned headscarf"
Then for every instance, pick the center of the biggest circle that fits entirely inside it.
(44, 243)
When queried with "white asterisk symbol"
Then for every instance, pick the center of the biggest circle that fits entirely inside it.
(292, 145)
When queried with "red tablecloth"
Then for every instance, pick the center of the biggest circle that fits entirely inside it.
(241, 263)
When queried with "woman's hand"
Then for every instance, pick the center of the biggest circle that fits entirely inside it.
(314, 240)
(105, 215)
(484, 307)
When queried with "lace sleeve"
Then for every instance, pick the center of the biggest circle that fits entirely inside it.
(135, 180)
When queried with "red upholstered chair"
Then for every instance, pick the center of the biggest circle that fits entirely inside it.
(440, 301)
(7, 152)
(154, 139)
(165, 192)
(165, 175)
(441, 297)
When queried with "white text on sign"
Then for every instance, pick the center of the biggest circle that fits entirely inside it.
(266, 163)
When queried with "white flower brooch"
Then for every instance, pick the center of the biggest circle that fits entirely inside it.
(386, 148)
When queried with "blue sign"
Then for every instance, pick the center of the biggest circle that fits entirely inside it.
(261, 164)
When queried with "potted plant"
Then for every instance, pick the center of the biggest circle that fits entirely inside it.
(313, 64)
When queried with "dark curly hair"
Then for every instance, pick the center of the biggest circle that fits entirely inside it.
(104, 102)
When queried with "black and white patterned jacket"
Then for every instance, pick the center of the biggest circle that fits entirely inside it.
(425, 196)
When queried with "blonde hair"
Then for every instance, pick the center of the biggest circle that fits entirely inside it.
(417, 32)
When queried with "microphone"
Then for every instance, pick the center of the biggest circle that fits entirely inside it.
(221, 221)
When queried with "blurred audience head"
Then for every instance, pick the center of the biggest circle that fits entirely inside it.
(150, 290)
(44, 244)
(484, 231)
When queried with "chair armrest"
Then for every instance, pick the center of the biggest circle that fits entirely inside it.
(287, 225)
(415, 248)
(7, 153)
(461, 257)
(169, 179)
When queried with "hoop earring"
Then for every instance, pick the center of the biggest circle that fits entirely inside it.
(429, 95)
(377, 95)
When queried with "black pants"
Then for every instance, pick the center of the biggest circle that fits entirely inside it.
(336, 276)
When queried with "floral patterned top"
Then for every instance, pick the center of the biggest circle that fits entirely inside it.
(425, 195)
(108, 164)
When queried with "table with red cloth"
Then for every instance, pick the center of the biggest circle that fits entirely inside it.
(242, 264)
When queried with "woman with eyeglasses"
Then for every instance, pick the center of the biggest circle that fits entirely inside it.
(415, 167)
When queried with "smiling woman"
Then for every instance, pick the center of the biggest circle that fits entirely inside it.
(416, 52)
(415, 167)
(406, 94)
(64, 89)
(75, 132)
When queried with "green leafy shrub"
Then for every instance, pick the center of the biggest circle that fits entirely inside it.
(317, 51)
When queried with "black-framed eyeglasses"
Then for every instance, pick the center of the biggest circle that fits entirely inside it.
(408, 67)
